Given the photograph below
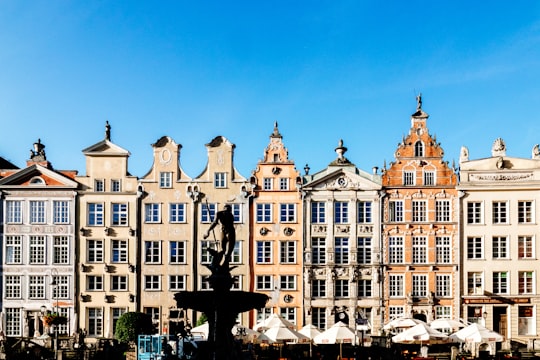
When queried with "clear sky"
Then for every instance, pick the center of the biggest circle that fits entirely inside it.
(324, 70)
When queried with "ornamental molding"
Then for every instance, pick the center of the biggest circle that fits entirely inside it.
(501, 177)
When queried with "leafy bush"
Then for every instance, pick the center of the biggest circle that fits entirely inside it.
(132, 324)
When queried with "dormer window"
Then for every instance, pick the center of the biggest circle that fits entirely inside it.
(419, 149)
(37, 181)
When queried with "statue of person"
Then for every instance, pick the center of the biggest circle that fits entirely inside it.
(419, 101)
(225, 217)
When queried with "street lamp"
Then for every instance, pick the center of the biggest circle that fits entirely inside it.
(54, 275)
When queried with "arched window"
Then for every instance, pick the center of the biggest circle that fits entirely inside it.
(37, 181)
(418, 149)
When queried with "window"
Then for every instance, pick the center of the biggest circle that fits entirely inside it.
(220, 180)
(208, 212)
(287, 213)
(13, 321)
(205, 284)
(525, 212)
(474, 248)
(499, 212)
(419, 250)
(395, 250)
(475, 285)
(177, 282)
(287, 282)
(264, 252)
(12, 288)
(267, 184)
(442, 210)
(152, 282)
(364, 212)
(500, 282)
(205, 255)
(37, 212)
(419, 211)
(177, 213)
(396, 285)
(61, 290)
(525, 282)
(418, 149)
(429, 178)
(444, 312)
(37, 250)
(499, 247)
(94, 282)
(14, 212)
(178, 252)
(341, 250)
(318, 288)
(318, 317)
(263, 314)
(264, 282)
(95, 251)
(119, 283)
(116, 313)
(61, 212)
(288, 313)
(115, 185)
(443, 285)
(99, 185)
(396, 211)
(95, 214)
(119, 250)
(341, 212)
(526, 320)
(364, 288)
(317, 212)
(525, 247)
(318, 251)
(236, 210)
(341, 288)
(152, 252)
(95, 321)
(283, 184)
(152, 213)
(419, 286)
(264, 213)
(364, 250)
(443, 250)
(408, 178)
(474, 213)
(60, 250)
(287, 252)
(236, 256)
(119, 214)
(165, 180)
(13, 249)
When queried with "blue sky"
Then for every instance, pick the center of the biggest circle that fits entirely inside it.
(325, 70)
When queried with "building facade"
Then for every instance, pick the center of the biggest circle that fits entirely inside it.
(275, 244)
(500, 214)
(420, 233)
(108, 236)
(39, 246)
(341, 245)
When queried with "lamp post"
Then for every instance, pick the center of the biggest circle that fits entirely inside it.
(54, 283)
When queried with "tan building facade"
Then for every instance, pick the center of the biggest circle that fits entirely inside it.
(341, 246)
(108, 239)
(420, 233)
(500, 214)
(275, 244)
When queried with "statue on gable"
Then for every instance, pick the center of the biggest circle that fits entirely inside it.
(498, 148)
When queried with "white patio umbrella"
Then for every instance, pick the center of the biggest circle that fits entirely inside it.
(420, 334)
(201, 330)
(402, 323)
(476, 333)
(245, 333)
(339, 333)
(282, 334)
(310, 331)
(273, 320)
(446, 326)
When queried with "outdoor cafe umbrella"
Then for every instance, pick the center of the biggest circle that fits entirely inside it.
(310, 331)
(420, 334)
(476, 333)
(402, 323)
(273, 320)
(339, 333)
(282, 334)
(446, 326)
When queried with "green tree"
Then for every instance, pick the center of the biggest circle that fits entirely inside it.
(201, 320)
(132, 324)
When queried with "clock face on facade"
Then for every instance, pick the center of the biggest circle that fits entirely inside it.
(342, 181)
(342, 315)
